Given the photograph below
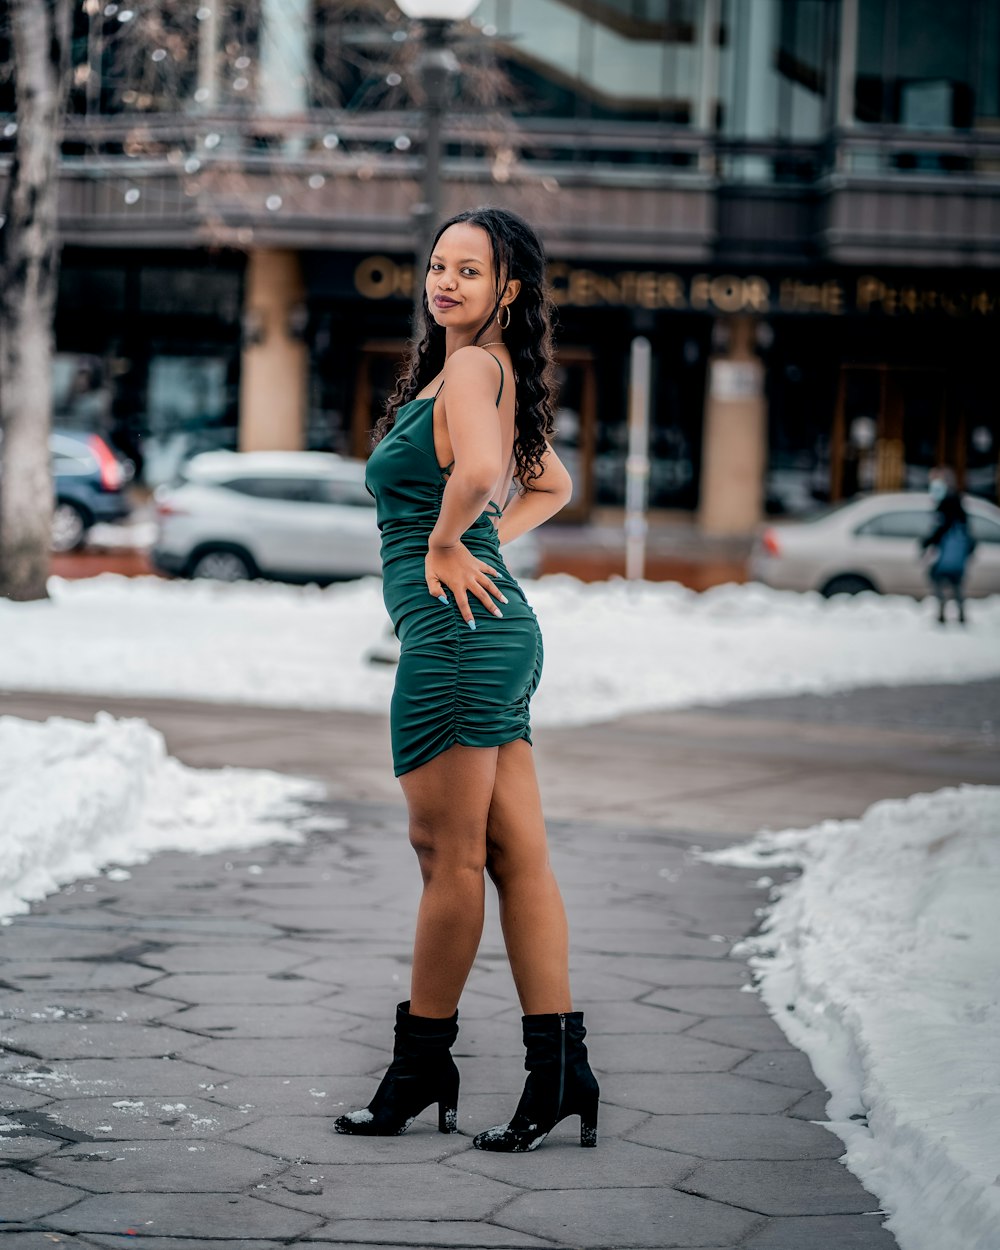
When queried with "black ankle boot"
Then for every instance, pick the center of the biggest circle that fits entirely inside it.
(422, 1071)
(560, 1083)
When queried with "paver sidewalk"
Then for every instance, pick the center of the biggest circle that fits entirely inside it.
(177, 1043)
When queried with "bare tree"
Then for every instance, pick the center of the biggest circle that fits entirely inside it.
(29, 265)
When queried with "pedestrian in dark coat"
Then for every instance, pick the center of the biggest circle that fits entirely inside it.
(952, 543)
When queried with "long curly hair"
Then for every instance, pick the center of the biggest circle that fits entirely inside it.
(517, 253)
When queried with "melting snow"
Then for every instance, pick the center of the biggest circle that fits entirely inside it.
(880, 962)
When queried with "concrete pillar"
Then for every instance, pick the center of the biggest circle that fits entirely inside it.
(734, 442)
(274, 372)
(285, 31)
(847, 63)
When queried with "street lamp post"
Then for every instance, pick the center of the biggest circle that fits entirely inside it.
(438, 67)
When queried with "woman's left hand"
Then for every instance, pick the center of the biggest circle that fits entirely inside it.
(456, 568)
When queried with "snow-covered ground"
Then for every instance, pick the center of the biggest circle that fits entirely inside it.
(881, 963)
(610, 648)
(75, 798)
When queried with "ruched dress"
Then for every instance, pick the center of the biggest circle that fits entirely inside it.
(453, 684)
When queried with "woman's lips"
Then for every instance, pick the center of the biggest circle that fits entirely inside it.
(442, 301)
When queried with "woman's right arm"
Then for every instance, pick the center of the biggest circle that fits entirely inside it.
(542, 498)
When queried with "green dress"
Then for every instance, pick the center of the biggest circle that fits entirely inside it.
(453, 684)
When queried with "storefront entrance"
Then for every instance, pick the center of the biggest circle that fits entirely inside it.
(891, 426)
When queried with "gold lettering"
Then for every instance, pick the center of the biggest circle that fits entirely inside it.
(557, 275)
(869, 291)
(607, 289)
(699, 290)
(581, 287)
(786, 297)
(757, 293)
(727, 293)
(833, 297)
(645, 293)
(626, 287)
(376, 277)
(671, 291)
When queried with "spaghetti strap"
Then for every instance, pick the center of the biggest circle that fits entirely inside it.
(499, 392)
(500, 366)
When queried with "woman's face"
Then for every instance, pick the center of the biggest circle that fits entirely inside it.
(460, 286)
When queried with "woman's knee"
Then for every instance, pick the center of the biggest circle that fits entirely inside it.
(505, 865)
(443, 849)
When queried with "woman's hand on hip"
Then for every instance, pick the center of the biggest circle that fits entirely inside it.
(455, 567)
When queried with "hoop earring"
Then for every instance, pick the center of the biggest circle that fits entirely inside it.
(504, 308)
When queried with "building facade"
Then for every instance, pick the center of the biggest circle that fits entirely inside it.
(797, 202)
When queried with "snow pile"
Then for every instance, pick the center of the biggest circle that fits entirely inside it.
(610, 648)
(76, 797)
(881, 963)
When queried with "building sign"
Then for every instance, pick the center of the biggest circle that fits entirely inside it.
(866, 294)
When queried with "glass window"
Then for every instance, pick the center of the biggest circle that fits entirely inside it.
(637, 60)
(285, 489)
(343, 491)
(984, 531)
(776, 72)
(917, 62)
(909, 525)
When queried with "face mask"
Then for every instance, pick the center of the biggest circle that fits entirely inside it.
(938, 491)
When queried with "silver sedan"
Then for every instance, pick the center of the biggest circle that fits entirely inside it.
(872, 543)
(294, 516)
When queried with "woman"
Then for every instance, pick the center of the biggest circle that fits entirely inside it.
(952, 542)
(468, 423)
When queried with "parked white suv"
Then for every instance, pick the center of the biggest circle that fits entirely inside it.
(292, 516)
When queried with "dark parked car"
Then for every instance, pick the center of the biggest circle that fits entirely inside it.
(88, 478)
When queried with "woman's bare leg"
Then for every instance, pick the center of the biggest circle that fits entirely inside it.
(448, 801)
(531, 908)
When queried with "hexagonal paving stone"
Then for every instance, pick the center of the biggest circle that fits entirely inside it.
(141, 1118)
(404, 1191)
(645, 1052)
(668, 973)
(57, 976)
(738, 1137)
(52, 1241)
(96, 1005)
(614, 1164)
(630, 1018)
(14, 1099)
(656, 1217)
(690, 1093)
(71, 1039)
(115, 1242)
(313, 1139)
(462, 1234)
(748, 1032)
(785, 1187)
(30, 1198)
(783, 1067)
(226, 1020)
(844, 1232)
(158, 1167)
(124, 1077)
(295, 1095)
(710, 1000)
(238, 988)
(16, 1148)
(219, 957)
(184, 1215)
(312, 1056)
